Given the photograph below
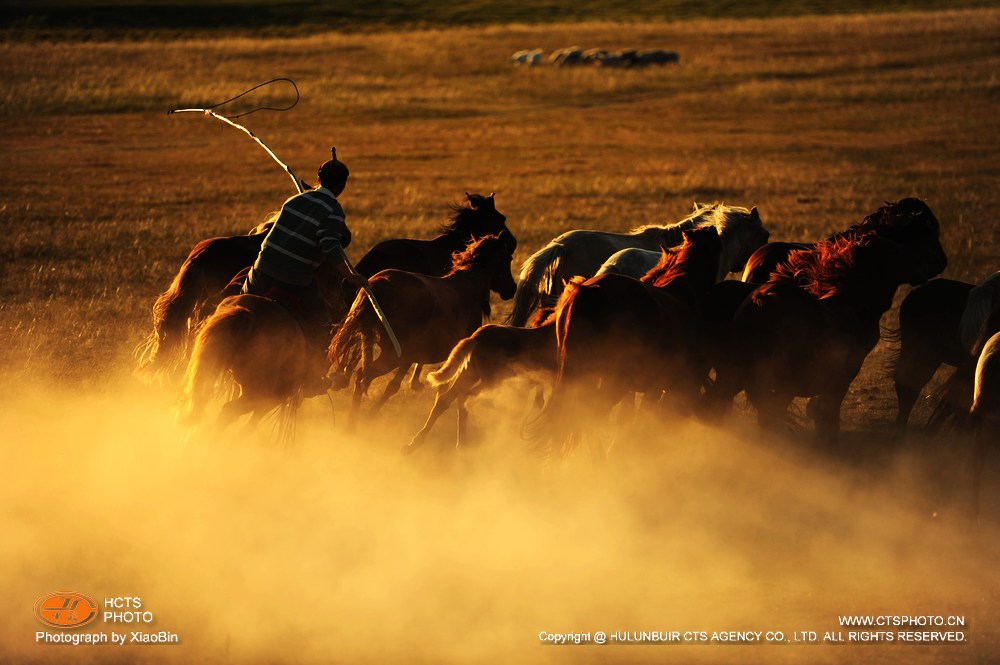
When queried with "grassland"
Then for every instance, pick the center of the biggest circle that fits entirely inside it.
(814, 120)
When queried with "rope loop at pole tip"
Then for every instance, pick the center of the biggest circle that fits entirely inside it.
(246, 92)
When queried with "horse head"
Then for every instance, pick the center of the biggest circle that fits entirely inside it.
(742, 233)
(911, 224)
(489, 254)
(479, 218)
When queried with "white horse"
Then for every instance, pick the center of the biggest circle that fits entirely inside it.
(985, 412)
(581, 253)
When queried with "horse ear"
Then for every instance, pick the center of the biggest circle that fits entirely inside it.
(753, 213)
(492, 194)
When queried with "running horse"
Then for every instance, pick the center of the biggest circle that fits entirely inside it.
(617, 335)
(428, 314)
(581, 253)
(213, 263)
(808, 330)
(208, 268)
(938, 324)
(885, 221)
(491, 355)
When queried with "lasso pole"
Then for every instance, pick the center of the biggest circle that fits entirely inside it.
(291, 174)
(298, 186)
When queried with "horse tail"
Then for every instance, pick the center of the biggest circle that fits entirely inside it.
(345, 347)
(538, 277)
(457, 362)
(172, 312)
(540, 431)
(215, 348)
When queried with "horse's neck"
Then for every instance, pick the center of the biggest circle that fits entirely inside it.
(452, 240)
(472, 286)
(668, 236)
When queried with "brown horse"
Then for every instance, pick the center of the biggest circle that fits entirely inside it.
(259, 342)
(491, 355)
(477, 219)
(208, 268)
(888, 221)
(428, 314)
(807, 331)
(617, 335)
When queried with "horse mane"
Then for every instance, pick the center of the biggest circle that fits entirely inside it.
(668, 259)
(464, 218)
(723, 217)
(821, 271)
(675, 263)
(476, 253)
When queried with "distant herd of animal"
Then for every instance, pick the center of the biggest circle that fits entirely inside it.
(598, 317)
(597, 57)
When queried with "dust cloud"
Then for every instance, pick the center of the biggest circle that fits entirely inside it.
(339, 549)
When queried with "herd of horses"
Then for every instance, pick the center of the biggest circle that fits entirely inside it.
(599, 318)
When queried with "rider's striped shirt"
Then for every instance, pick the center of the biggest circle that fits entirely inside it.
(311, 226)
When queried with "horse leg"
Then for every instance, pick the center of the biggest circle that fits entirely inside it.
(361, 383)
(415, 383)
(392, 388)
(465, 382)
(462, 433)
(772, 408)
(977, 462)
(827, 410)
(231, 412)
(913, 371)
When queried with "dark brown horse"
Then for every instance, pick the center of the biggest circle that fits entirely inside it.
(428, 314)
(888, 221)
(208, 268)
(617, 335)
(257, 342)
(491, 355)
(477, 219)
(807, 331)
(929, 321)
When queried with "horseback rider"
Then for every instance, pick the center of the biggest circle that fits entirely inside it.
(309, 230)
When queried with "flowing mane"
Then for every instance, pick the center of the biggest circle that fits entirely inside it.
(476, 253)
(822, 271)
(468, 218)
(699, 254)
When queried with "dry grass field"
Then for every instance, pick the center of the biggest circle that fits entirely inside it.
(814, 120)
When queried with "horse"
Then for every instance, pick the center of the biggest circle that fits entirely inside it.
(616, 335)
(738, 244)
(985, 411)
(581, 253)
(885, 221)
(808, 330)
(236, 324)
(208, 268)
(428, 314)
(489, 356)
(261, 344)
(477, 219)
(938, 324)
